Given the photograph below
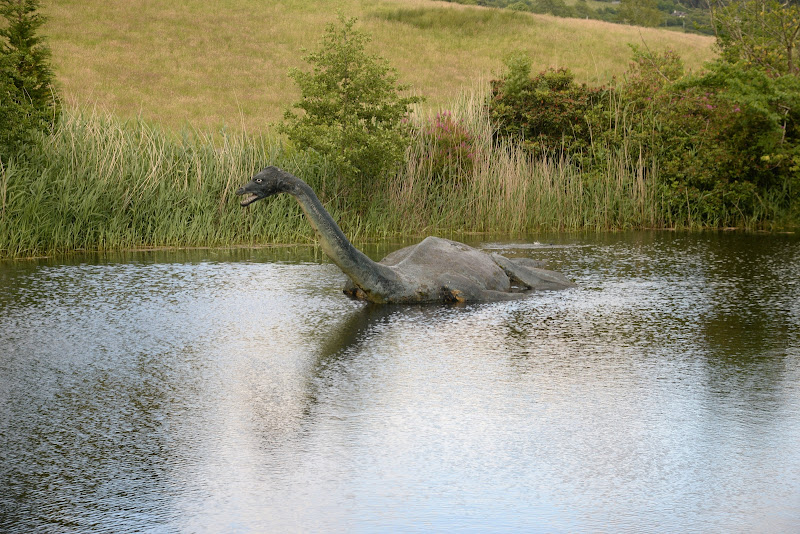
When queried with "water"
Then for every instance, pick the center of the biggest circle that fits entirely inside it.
(240, 391)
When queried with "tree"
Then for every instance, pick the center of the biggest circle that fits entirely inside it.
(762, 33)
(352, 110)
(759, 71)
(27, 96)
(640, 12)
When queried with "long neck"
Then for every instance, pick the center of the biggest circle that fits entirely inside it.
(373, 278)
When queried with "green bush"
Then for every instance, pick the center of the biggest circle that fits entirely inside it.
(739, 129)
(547, 113)
(696, 138)
(640, 13)
(726, 143)
(351, 111)
(17, 117)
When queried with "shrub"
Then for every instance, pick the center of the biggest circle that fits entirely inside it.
(640, 13)
(547, 112)
(351, 110)
(720, 138)
(726, 143)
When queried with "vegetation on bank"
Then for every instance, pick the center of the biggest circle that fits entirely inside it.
(725, 145)
(657, 148)
(351, 110)
(97, 183)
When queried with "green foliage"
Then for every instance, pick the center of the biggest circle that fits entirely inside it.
(547, 112)
(519, 72)
(761, 33)
(650, 72)
(97, 183)
(758, 120)
(352, 110)
(558, 8)
(716, 146)
(758, 74)
(17, 116)
(27, 96)
(640, 12)
(131, 184)
(726, 143)
(508, 190)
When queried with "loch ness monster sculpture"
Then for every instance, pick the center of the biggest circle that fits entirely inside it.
(434, 270)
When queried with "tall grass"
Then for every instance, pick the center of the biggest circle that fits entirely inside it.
(508, 190)
(99, 183)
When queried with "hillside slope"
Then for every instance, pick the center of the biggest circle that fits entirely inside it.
(225, 63)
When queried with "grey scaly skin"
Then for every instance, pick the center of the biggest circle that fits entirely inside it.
(434, 270)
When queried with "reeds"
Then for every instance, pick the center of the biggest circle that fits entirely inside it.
(509, 191)
(99, 183)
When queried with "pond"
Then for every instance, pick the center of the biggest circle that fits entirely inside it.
(240, 391)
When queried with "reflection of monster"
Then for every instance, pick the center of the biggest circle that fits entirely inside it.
(434, 270)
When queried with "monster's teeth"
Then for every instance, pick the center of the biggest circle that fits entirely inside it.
(249, 199)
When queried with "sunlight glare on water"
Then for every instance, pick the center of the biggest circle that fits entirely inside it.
(240, 391)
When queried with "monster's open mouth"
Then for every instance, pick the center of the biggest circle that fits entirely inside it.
(249, 199)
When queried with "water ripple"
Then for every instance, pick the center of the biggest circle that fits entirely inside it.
(242, 392)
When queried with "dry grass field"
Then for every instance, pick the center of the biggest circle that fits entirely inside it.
(225, 63)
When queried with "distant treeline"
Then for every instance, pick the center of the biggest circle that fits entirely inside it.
(688, 15)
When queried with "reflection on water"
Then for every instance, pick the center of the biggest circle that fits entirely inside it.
(240, 391)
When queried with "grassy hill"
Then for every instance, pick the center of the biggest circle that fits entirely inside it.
(225, 63)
